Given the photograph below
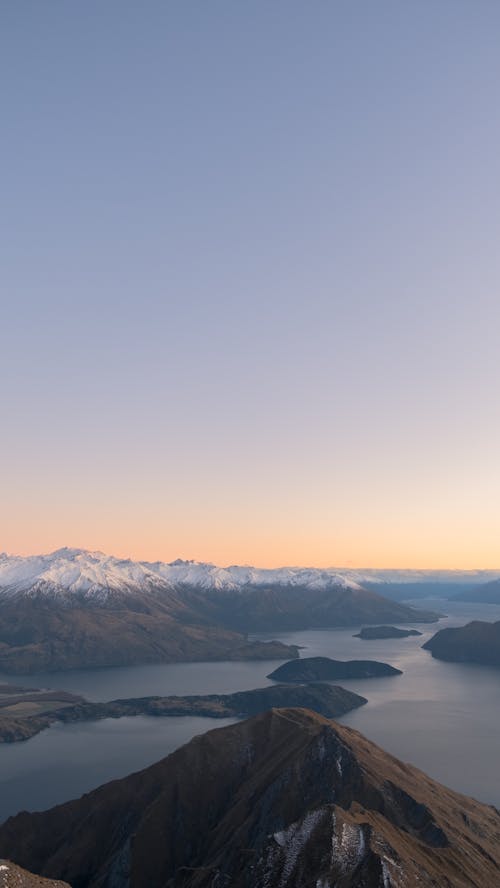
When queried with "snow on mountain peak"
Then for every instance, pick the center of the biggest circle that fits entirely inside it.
(84, 574)
(78, 573)
(74, 571)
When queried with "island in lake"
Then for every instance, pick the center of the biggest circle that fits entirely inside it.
(25, 712)
(372, 632)
(477, 642)
(325, 669)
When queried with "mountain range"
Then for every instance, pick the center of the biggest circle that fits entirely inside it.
(287, 799)
(487, 593)
(96, 575)
(74, 608)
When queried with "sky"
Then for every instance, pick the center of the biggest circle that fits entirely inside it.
(250, 281)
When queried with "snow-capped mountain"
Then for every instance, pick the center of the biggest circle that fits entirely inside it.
(86, 575)
(94, 575)
(74, 608)
(412, 577)
(209, 576)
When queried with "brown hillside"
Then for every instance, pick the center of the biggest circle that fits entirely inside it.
(287, 799)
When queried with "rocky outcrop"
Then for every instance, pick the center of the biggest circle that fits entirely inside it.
(370, 633)
(286, 799)
(325, 669)
(12, 876)
(477, 642)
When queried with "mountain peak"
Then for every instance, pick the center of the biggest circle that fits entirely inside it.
(92, 573)
(287, 798)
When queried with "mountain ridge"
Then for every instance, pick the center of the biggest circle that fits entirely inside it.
(287, 798)
(88, 573)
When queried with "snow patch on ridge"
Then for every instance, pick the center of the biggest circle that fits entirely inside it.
(348, 845)
(293, 839)
(77, 572)
(94, 575)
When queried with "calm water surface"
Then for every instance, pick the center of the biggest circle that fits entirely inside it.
(442, 717)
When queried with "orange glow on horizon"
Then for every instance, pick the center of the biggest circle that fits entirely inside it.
(262, 556)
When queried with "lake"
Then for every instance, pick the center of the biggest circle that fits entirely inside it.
(442, 717)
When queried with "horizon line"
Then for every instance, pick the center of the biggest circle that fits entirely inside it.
(249, 565)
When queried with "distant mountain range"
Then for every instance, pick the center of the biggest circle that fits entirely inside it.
(488, 593)
(75, 608)
(287, 799)
(84, 574)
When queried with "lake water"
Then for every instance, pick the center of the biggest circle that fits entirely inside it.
(442, 717)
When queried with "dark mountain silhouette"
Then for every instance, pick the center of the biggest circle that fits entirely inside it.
(477, 642)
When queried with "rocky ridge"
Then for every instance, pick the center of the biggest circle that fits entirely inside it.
(12, 876)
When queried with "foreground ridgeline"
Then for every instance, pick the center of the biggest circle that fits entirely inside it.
(75, 609)
(477, 642)
(325, 669)
(286, 799)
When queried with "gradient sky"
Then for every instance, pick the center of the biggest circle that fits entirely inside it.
(251, 280)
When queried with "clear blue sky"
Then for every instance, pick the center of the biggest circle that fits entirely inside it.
(250, 278)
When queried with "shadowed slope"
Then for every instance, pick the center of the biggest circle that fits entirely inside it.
(477, 642)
